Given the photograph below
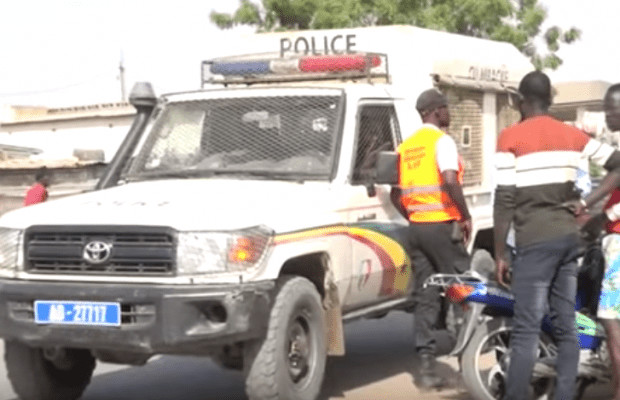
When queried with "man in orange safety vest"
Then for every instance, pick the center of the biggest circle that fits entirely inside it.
(430, 196)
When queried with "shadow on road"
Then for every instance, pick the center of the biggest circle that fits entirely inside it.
(380, 354)
(169, 378)
(379, 362)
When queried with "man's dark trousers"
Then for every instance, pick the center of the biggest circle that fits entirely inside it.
(544, 273)
(432, 251)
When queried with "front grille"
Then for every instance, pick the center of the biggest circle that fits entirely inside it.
(136, 251)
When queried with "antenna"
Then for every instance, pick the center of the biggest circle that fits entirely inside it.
(121, 69)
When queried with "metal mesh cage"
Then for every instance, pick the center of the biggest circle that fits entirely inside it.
(287, 136)
(377, 130)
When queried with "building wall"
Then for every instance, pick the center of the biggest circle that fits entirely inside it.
(59, 143)
(64, 181)
(60, 131)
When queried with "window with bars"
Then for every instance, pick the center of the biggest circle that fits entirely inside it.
(270, 136)
(376, 132)
(466, 110)
(507, 111)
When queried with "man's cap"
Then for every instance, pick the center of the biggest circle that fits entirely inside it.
(430, 99)
(536, 85)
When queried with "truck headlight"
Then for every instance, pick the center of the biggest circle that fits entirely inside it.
(10, 245)
(209, 252)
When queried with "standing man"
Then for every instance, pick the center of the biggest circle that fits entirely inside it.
(37, 193)
(609, 301)
(431, 198)
(537, 160)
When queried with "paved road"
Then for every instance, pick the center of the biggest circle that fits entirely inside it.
(377, 365)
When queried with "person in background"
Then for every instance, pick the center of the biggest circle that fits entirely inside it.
(37, 193)
(431, 198)
(609, 300)
(536, 162)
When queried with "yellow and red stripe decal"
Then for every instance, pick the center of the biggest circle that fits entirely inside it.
(394, 260)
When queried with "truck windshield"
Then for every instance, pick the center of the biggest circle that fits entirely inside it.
(285, 137)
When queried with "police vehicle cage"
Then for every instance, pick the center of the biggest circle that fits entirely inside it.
(266, 68)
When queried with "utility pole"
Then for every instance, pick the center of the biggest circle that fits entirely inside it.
(121, 69)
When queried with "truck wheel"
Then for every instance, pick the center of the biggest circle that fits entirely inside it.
(289, 363)
(35, 377)
(486, 358)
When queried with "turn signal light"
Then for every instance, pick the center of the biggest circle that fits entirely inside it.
(245, 250)
(459, 293)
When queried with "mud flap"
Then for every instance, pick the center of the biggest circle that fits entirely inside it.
(333, 319)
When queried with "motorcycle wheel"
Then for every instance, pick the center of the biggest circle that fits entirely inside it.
(485, 362)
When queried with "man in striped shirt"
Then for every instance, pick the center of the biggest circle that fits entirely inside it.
(537, 162)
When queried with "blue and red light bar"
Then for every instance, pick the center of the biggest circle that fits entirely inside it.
(308, 64)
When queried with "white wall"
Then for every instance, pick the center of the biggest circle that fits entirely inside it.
(61, 142)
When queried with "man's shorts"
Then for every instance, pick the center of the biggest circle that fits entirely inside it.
(609, 301)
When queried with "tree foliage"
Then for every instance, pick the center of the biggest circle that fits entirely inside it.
(516, 21)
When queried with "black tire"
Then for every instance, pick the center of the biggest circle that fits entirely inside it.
(34, 377)
(289, 363)
(485, 378)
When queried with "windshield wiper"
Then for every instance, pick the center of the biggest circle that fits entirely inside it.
(183, 174)
(187, 174)
(161, 175)
(246, 172)
(295, 176)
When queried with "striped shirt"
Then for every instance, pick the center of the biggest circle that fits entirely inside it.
(537, 162)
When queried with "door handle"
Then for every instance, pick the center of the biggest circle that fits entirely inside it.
(367, 217)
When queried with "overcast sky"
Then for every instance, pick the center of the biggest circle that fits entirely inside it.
(67, 52)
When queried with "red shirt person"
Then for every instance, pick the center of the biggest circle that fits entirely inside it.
(37, 193)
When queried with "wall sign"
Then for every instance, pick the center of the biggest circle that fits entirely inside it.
(488, 73)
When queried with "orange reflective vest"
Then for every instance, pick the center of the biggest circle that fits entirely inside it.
(420, 180)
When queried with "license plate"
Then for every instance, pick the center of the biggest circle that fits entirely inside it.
(77, 313)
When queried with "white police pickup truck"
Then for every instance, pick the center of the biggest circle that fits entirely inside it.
(245, 221)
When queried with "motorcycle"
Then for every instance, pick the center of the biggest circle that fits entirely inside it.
(483, 343)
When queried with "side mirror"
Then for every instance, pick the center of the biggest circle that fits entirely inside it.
(386, 170)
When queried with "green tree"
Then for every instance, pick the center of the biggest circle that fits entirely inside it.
(516, 21)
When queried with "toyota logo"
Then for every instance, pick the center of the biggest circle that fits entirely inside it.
(97, 252)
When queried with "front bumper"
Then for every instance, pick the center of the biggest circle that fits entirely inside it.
(154, 318)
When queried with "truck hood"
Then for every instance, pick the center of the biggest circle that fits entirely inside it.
(196, 204)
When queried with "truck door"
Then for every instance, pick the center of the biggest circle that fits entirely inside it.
(374, 222)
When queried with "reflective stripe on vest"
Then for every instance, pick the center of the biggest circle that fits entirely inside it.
(425, 207)
(420, 180)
